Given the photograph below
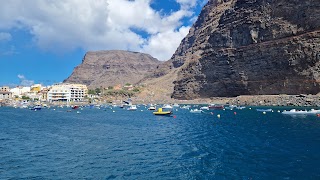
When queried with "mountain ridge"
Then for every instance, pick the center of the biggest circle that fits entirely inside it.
(111, 67)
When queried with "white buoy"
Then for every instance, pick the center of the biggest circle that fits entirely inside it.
(264, 112)
(218, 116)
(113, 111)
(279, 111)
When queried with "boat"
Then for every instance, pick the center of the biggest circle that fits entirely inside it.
(216, 106)
(176, 105)
(264, 110)
(36, 108)
(132, 108)
(231, 107)
(161, 112)
(185, 107)
(167, 106)
(152, 108)
(240, 107)
(195, 111)
(204, 108)
(300, 112)
(75, 107)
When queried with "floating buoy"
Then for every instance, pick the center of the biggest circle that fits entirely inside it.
(279, 111)
(113, 111)
(264, 112)
(174, 116)
(235, 113)
(318, 115)
(218, 116)
(250, 108)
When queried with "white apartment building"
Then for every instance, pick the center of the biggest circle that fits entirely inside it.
(19, 91)
(67, 92)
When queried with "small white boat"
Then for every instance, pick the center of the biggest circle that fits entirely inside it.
(176, 105)
(264, 110)
(300, 112)
(240, 107)
(152, 108)
(167, 106)
(132, 108)
(204, 108)
(195, 111)
(185, 107)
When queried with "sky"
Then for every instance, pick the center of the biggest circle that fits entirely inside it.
(42, 41)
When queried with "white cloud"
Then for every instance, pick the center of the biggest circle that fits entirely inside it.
(187, 3)
(165, 42)
(8, 50)
(5, 36)
(24, 81)
(65, 25)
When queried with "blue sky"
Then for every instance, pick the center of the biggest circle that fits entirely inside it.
(41, 41)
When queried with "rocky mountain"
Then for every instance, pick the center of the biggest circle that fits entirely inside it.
(109, 68)
(249, 47)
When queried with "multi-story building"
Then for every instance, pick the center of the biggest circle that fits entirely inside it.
(36, 88)
(20, 91)
(67, 92)
(5, 93)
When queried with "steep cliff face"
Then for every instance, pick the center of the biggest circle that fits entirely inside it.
(242, 47)
(108, 68)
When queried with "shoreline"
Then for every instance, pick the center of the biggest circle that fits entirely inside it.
(243, 100)
(301, 100)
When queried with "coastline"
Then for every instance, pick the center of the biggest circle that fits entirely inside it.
(301, 100)
(247, 100)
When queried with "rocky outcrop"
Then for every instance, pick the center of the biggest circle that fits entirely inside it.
(109, 68)
(249, 47)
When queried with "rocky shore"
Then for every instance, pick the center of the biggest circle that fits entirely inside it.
(252, 100)
(277, 100)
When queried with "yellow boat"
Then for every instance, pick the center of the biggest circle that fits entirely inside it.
(160, 112)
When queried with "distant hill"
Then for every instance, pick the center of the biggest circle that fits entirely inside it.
(109, 68)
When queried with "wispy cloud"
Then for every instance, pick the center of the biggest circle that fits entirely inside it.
(8, 51)
(66, 25)
(24, 81)
(5, 36)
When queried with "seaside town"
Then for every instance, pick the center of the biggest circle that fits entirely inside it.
(69, 94)
(38, 94)
(57, 94)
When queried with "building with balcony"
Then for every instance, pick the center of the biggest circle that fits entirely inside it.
(67, 92)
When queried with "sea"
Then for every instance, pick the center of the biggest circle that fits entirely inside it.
(114, 143)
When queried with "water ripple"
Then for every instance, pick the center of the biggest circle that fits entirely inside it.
(99, 144)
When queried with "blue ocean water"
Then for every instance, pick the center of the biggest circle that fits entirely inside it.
(102, 144)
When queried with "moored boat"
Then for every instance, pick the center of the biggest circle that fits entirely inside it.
(167, 106)
(161, 112)
(75, 107)
(264, 110)
(300, 112)
(204, 108)
(36, 108)
(195, 111)
(216, 106)
(152, 108)
(132, 108)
